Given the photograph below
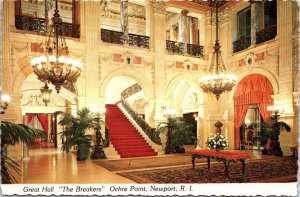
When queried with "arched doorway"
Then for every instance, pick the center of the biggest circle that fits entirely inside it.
(253, 89)
(134, 94)
(185, 98)
(37, 115)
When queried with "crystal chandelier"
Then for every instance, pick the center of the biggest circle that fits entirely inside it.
(218, 82)
(55, 65)
(46, 92)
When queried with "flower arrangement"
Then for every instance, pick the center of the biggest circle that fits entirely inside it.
(217, 142)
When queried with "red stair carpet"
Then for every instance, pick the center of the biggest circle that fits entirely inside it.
(125, 138)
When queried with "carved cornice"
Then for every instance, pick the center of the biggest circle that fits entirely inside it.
(223, 17)
(159, 7)
(66, 6)
(115, 16)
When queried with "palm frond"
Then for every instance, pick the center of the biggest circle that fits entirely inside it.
(13, 133)
(284, 126)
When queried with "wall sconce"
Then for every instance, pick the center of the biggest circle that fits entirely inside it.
(276, 109)
(45, 91)
(5, 99)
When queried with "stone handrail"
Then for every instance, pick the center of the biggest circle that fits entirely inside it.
(141, 122)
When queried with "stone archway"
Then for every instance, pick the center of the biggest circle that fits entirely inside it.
(140, 78)
(252, 89)
(185, 96)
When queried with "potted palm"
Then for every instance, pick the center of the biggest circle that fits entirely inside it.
(178, 132)
(269, 136)
(75, 132)
(11, 134)
(264, 135)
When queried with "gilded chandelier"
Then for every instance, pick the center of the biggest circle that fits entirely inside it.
(218, 82)
(55, 65)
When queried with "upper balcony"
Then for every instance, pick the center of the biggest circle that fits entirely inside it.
(116, 37)
(262, 36)
(178, 48)
(34, 24)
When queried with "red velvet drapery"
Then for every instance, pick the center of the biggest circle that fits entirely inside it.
(29, 118)
(43, 118)
(253, 89)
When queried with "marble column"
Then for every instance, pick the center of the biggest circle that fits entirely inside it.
(183, 29)
(92, 26)
(124, 20)
(285, 53)
(254, 21)
(156, 14)
(48, 14)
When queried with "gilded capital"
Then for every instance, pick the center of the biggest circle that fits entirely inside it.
(184, 12)
(159, 7)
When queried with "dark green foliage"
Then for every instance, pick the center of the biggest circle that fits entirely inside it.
(75, 132)
(12, 134)
(267, 130)
(178, 131)
(271, 131)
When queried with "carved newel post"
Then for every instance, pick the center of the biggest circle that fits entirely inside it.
(98, 152)
(275, 144)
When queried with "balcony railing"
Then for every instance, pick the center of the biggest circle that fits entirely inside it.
(116, 37)
(174, 47)
(30, 24)
(110, 36)
(266, 34)
(38, 25)
(195, 50)
(241, 44)
(139, 41)
(262, 36)
(178, 47)
(71, 30)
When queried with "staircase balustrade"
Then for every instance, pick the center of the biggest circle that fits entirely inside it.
(141, 122)
(131, 90)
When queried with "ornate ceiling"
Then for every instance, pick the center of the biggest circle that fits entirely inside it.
(210, 3)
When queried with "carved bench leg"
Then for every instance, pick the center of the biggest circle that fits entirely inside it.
(193, 161)
(244, 167)
(208, 163)
(226, 169)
